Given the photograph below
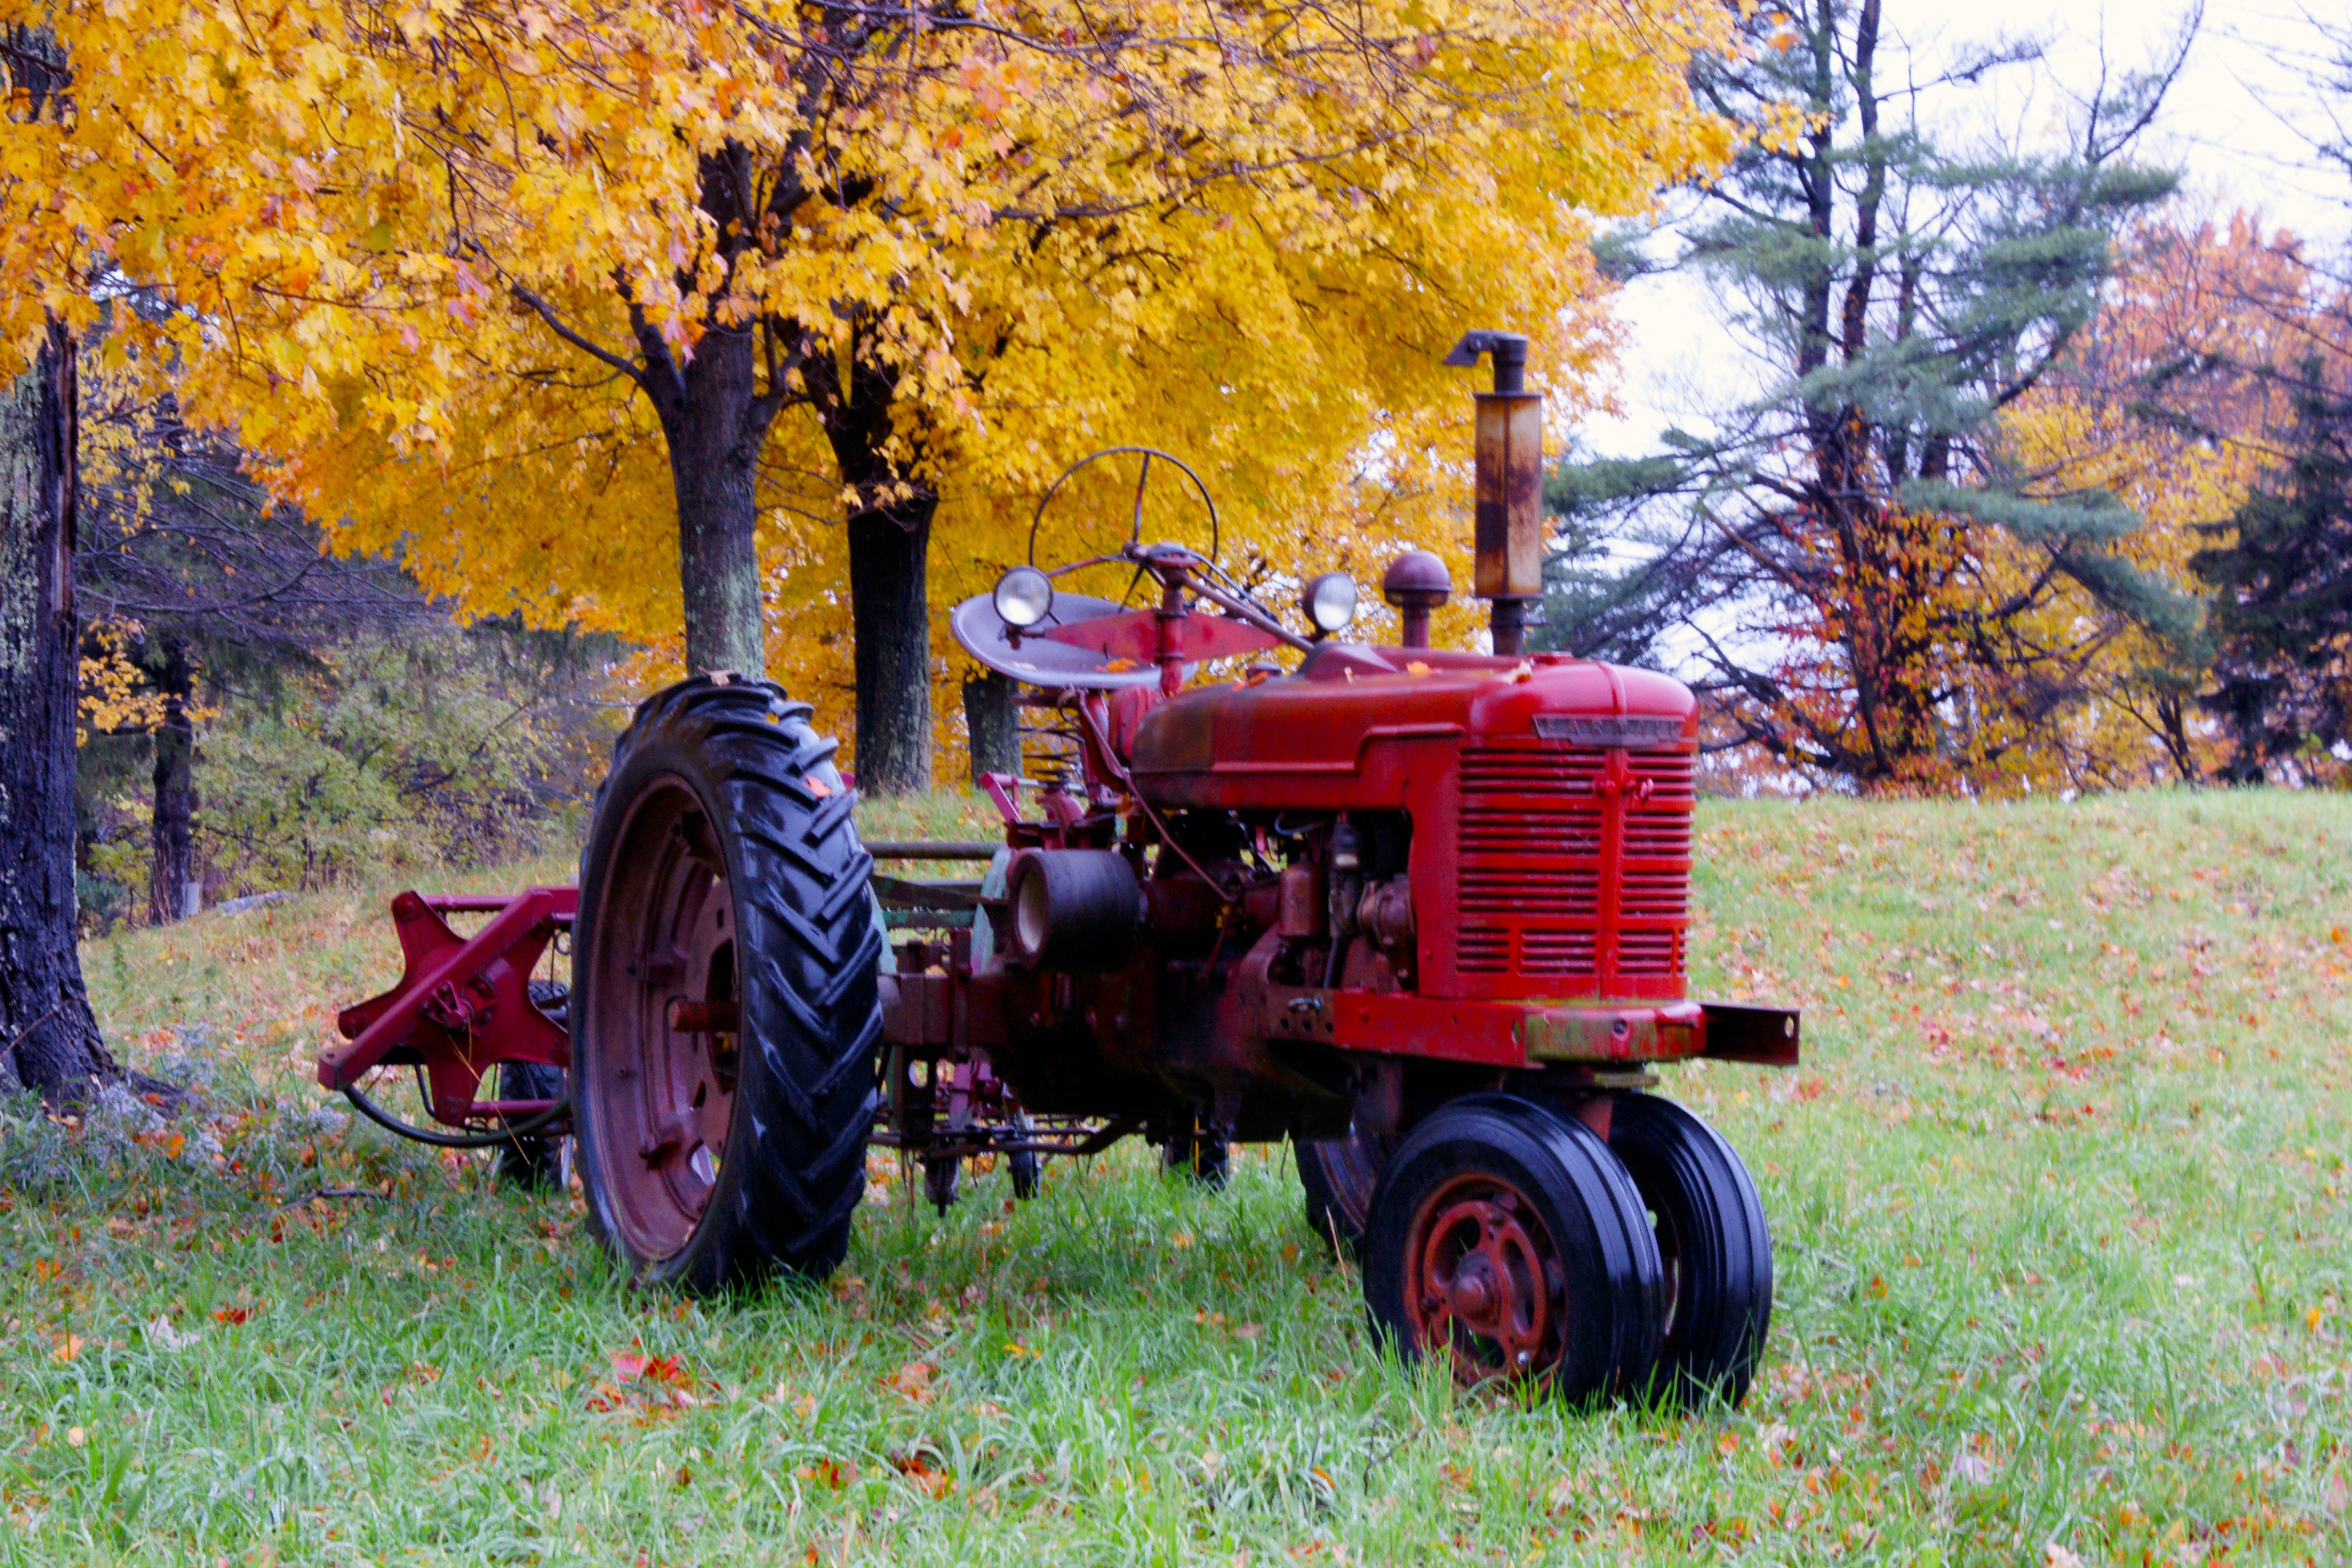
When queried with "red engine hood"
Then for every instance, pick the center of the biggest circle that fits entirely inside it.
(1239, 745)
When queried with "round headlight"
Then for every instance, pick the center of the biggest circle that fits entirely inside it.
(1330, 601)
(1023, 596)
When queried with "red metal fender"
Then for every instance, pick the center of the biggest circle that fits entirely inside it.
(461, 1006)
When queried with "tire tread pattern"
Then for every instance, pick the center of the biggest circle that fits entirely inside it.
(807, 966)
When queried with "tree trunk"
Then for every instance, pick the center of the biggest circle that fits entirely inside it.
(715, 429)
(993, 724)
(890, 612)
(173, 893)
(48, 1038)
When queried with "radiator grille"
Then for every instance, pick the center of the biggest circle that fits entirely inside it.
(1543, 832)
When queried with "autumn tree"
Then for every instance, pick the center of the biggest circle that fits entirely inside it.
(528, 291)
(2170, 399)
(658, 260)
(1866, 572)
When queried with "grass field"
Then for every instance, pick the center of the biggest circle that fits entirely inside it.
(2060, 1199)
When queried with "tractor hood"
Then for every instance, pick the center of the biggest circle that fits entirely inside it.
(1350, 722)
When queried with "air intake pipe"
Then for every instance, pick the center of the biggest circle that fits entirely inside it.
(1509, 510)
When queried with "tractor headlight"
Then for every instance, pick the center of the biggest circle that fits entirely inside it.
(1330, 601)
(1024, 596)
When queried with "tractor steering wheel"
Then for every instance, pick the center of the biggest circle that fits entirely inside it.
(1142, 479)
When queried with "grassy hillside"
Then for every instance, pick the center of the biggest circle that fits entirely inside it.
(2060, 1199)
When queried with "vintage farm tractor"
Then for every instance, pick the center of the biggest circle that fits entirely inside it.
(1421, 912)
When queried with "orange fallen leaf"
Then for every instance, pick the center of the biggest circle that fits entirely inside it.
(68, 1347)
(913, 1381)
(232, 1315)
(931, 1481)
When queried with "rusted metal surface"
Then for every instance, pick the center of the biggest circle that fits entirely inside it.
(1509, 516)
(1763, 1037)
(660, 987)
(1480, 1281)
(462, 1004)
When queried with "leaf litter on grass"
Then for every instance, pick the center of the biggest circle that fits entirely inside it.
(2009, 1329)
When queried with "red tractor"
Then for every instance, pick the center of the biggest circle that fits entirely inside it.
(1421, 912)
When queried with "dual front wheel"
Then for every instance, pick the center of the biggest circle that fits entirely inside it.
(1510, 1239)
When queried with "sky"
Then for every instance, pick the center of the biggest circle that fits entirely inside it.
(2228, 126)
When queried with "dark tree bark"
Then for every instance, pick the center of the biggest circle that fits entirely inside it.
(717, 422)
(890, 610)
(48, 1038)
(173, 893)
(889, 578)
(993, 724)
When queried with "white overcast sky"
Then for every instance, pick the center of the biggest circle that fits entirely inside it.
(2227, 126)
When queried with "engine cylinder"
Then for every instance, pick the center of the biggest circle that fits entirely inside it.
(1076, 910)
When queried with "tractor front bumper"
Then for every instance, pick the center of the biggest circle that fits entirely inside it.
(1518, 1034)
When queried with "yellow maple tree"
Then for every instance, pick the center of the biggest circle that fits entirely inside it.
(651, 315)
(2165, 406)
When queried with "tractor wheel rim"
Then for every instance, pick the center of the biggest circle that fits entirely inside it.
(665, 979)
(1484, 1282)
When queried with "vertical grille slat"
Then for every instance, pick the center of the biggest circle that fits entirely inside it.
(1536, 827)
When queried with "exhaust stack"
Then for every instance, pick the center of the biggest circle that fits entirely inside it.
(1509, 511)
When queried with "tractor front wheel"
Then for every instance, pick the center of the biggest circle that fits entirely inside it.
(1508, 1240)
(1717, 1255)
(724, 1004)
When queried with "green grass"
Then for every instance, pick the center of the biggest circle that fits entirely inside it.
(2059, 1197)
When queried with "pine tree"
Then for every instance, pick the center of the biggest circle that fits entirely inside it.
(2283, 611)
(1870, 579)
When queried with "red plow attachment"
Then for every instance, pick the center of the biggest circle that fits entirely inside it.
(464, 1006)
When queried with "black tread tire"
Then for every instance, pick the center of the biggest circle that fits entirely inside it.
(1339, 1175)
(1585, 1199)
(1710, 1219)
(534, 1162)
(794, 1166)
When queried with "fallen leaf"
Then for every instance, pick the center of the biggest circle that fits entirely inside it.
(928, 1479)
(232, 1315)
(913, 1381)
(67, 1346)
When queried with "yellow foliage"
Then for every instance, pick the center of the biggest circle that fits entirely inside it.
(1245, 232)
(2183, 457)
(116, 696)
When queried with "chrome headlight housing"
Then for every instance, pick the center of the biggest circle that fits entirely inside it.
(1024, 596)
(1329, 601)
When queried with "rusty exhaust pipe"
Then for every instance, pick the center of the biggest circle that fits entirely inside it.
(1509, 511)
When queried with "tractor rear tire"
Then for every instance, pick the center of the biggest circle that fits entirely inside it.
(1712, 1243)
(1510, 1241)
(725, 999)
(1339, 1174)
